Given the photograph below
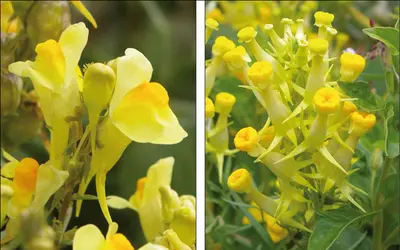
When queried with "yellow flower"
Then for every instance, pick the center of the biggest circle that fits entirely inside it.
(247, 34)
(224, 102)
(318, 46)
(222, 45)
(351, 66)
(323, 19)
(246, 139)
(267, 136)
(240, 181)
(53, 75)
(7, 11)
(210, 109)
(236, 58)
(326, 100)
(89, 237)
(348, 108)
(217, 15)
(260, 72)
(362, 122)
(341, 39)
(139, 111)
(211, 25)
(275, 231)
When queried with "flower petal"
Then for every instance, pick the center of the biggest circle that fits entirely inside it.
(144, 116)
(88, 237)
(72, 42)
(132, 69)
(150, 246)
(150, 211)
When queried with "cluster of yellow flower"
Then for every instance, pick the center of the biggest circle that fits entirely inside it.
(122, 106)
(294, 71)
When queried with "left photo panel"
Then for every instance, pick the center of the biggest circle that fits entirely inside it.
(98, 125)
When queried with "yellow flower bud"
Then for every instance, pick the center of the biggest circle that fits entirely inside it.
(222, 45)
(326, 100)
(362, 122)
(240, 181)
(260, 72)
(224, 102)
(247, 34)
(210, 109)
(348, 108)
(184, 224)
(351, 66)
(318, 46)
(323, 19)
(170, 202)
(212, 23)
(246, 139)
(267, 136)
(236, 58)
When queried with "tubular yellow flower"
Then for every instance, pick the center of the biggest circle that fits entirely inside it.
(348, 108)
(222, 45)
(362, 122)
(351, 66)
(224, 102)
(260, 73)
(240, 181)
(300, 30)
(318, 46)
(54, 79)
(246, 139)
(210, 109)
(236, 58)
(247, 34)
(184, 224)
(287, 24)
(217, 15)
(323, 19)
(326, 100)
(301, 57)
(264, 13)
(98, 86)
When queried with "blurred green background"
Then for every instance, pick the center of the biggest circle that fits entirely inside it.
(165, 33)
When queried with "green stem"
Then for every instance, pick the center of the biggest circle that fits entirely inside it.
(378, 220)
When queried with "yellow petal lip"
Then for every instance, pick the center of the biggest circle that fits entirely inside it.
(326, 100)
(26, 174)
(246, 139)
(363, 120)
(323, 19)
(240, 181)
(260, 72)
(119, 242)
(237, 57)
(212, 23)
(88, 237)
(247, 34)
(50, 61)
(222, 45)
(145, 116)
(224, 102)
(210, 109)
(318, 45)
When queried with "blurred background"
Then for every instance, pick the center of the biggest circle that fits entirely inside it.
(165, 33)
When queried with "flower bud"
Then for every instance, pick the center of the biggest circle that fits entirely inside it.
(351, 66)
(326, 101)
(171, 240)
(341, 40)
(47, 20)
(267, 136)
(210, 109)
(240, 181)
(222, 45)
(246, 139)
(376, 159)
(348, 108)
(236, 58)
(11, 86)
(224, 103)
(212, 23)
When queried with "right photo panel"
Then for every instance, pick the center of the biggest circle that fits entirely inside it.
(302, 125)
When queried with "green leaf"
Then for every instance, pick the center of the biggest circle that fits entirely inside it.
(388, 35)
(361, 90)
(117, 202)
(391, 144)
(331, 224)
(352, 239)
